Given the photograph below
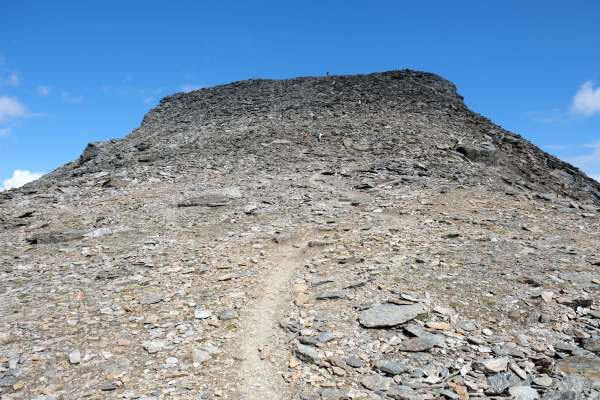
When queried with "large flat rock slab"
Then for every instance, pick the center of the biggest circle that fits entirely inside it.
(389, 315)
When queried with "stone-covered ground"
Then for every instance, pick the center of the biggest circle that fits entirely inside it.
(226, 250)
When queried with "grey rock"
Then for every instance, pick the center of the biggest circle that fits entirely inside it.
(354, 361)
(417, 344)
(523, 393)
(542, 380)
(449, 394)
(508, 351)
(482, 154)
(400, 392)
(325, 337)
(153, 346)
(492, 365)
(227, 314)
(7, 380)
(75, 357)
(560, 395)
(152, 298)
(389, 315)
(96, 233)
(307, 353)
(500, 382)
(330, 295)
(200, 355)
(467, 326)
(377, 382)
(591, 344)
(108, 386)
(200, 313)
(575, 383)
(309, 340)
(391, 367)
(333, 394)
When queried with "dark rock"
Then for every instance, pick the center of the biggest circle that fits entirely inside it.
(391, 367)
(591, 344)
(484, 155)
(354, 361)
(500, 382)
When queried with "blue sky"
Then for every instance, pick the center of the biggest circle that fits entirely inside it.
(73, 72)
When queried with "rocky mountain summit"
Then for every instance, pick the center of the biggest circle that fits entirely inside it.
(322, 238)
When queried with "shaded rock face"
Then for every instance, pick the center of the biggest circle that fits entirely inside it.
(348, 237)
(406, 116)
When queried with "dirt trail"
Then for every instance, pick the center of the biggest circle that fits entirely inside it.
(262, 337)
(262, 346)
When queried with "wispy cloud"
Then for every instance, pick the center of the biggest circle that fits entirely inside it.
(11, 108)
(11, 79)
(586, 101)
(19, 178)
(552, 116)
(589, 160)
(5, 131)
(190, 87)
(148, 96)
(43, 90)
(71, 98)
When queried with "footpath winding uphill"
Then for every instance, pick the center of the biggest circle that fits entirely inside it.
(327, 238)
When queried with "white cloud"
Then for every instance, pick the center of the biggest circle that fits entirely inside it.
(189, 87)
(10, 108)
(11, 80)
(5, 131)
(19, 178)
(43, 90)
(590, 161)
(587, 100)
(553, 116)
(66, 96)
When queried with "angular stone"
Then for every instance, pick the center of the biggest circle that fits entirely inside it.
(467, 326)
(151, 299)
(391, 367)
(547, 296)
(400, 392)
(227, 314)
(200, 313)
(377, 382)
(307, 353)
(200, 356)
(591, 344)
(354, 361)
(417, 344)
(389, 315)
(153, 346)
(493, 365)
(523, 393)
(560, 395)
(542, 380)
(7, 380)
(439, 326)
(498, 383)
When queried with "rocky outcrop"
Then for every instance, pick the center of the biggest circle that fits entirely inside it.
(351, 237)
